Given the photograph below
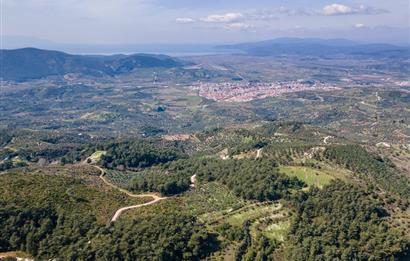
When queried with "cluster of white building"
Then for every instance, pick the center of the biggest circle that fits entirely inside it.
(246, 91)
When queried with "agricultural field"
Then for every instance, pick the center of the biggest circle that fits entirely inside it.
(206, 200)
(251, 212)
(119, 178)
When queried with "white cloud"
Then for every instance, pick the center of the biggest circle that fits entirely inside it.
(184, 20)
(339, 9)
(359, 25)
(223, 18)
(238, 26)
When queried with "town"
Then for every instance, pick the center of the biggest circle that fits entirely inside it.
(247, 91)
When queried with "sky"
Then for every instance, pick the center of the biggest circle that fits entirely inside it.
(202, 21)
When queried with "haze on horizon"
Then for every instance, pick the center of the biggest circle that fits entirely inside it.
(105, 22)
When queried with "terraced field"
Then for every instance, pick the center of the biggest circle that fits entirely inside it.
(269, 218)
(252, 212)
(211, 198)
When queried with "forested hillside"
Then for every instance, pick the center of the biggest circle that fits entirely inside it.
(342, 222)
(223, 195)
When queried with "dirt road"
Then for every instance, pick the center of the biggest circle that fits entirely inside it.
(259, 153)
(118, 213)
(326, 138)
(154, 196)
(193, 180)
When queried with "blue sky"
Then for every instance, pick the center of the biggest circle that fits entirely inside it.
(203, 21)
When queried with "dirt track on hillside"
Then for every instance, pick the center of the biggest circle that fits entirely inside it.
(155, 197)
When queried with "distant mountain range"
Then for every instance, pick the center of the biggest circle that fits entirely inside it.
(315, 47)
(31, 63)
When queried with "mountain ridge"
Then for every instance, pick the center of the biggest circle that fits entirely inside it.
(314, 47)
(32, 63)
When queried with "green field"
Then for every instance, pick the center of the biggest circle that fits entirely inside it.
(311, 176)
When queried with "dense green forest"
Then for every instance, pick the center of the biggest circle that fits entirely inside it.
(161, 179)
(58, 216)
(45, 234)
(249, 179)
(247, 208)
(342, 222)
(137, 154)
(380, 169)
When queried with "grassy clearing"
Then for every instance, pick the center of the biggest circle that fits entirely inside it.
(277, 230)
(311, 176)
(96, 156)
(211, 197)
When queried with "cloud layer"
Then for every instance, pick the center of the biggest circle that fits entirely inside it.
(164, 21)
(246, 20)
(339, 9)
(223, 18)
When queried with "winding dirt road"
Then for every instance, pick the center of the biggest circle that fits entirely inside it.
(118, 213)
(154, 196)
